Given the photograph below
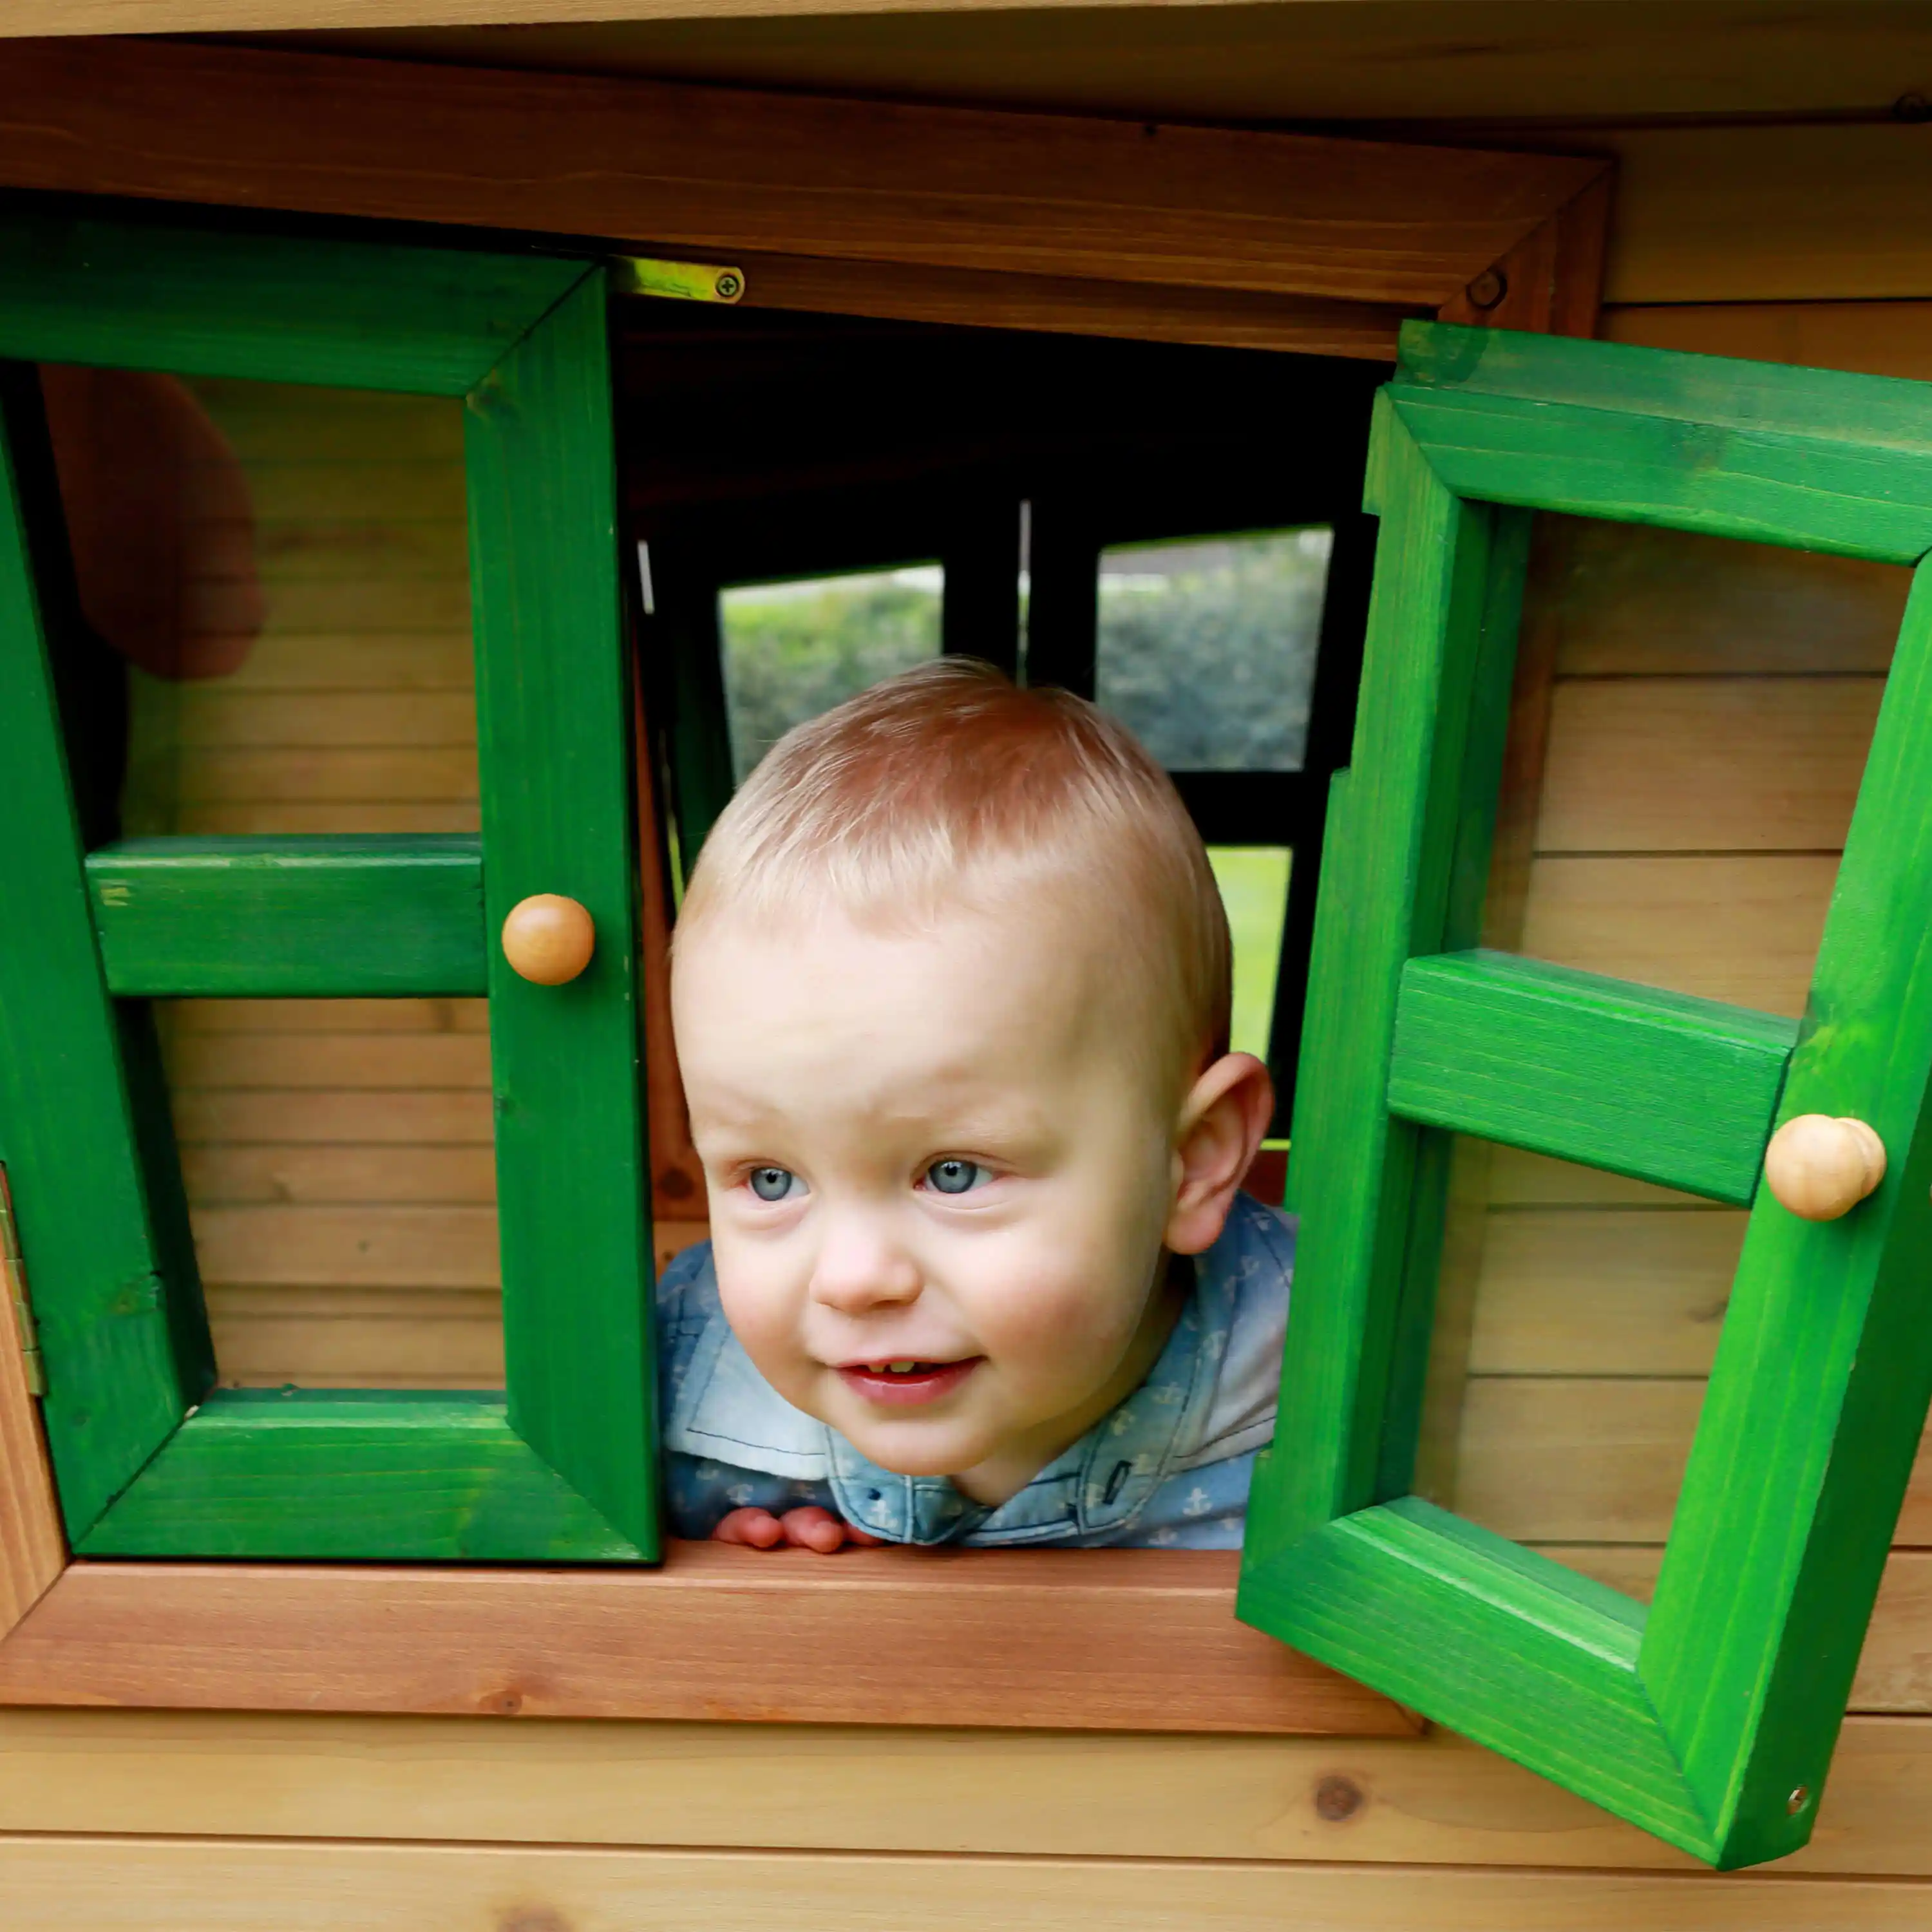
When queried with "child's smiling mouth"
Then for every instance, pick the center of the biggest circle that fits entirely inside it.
(901, 1382)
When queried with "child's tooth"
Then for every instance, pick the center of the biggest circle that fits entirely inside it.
(903, 1368)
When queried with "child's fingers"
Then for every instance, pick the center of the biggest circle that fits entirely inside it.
(811, 1528)
(757, 1528)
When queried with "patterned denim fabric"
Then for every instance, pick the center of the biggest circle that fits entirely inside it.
(1169, 1467)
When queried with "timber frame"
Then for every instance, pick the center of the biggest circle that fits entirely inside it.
(1003, 220)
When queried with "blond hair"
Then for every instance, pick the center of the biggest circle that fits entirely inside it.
(948, 786)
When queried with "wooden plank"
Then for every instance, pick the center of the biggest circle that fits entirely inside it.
(202, 302)
(279, 422)
(213, 716)
(1876, 338)
(279, 818)
(1603, 1291)
(67, 1885)
(1625, 599)
(1649, 1084)
(1517, 1179)
(1729, 764)
(665, 167)
(33, 1551)
(443, 775)
(300, 1061)
(204, 1019)
(288, 660)
(206, 917)
(224, 1175)
(351, 1338)
(555, 722)
(986, 298)
(1132, 1640)
(1742, 929)
(343, 1474)
(376, 1119)
(1767, 214)
(1576, 1459)
(360, 1247)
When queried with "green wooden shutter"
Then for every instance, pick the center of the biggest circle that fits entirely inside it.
(150, 1460)
(1710, 1718)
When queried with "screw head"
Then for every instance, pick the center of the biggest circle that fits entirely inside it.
(729, 286)
(1488, 290)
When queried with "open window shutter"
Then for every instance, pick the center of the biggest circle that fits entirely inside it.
(1709, 1719)
(149, 1458)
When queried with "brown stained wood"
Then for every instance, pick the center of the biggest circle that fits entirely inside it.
(1597, 1460)
(359, 1245)
(81, 1884)
(351, 776)
(1727, 764)
(1232, 318)
(350, 1015)
(1522, 1179)
(1603, 1291)
(1743, 928)
(1551, 280)
(32, 1548)
(316, 1176)
(333, 1337)
(1882, 338)
(1434, 1800)
(353, 815)
(374, 1119)
(219, 718)
(1110, 1640)
(1629, 599)
(403, 661)
(663, 166)
(298, 1060)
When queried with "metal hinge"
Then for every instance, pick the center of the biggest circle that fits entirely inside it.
(14, 1272)
(677, 281)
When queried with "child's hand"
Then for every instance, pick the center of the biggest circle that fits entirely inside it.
(809, 1529)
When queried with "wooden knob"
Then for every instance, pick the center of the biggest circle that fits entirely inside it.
(548, 938)
(1820, 1168)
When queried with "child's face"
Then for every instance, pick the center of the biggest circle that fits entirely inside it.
(931, 1149)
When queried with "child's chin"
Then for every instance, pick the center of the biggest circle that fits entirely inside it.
(910, 1450)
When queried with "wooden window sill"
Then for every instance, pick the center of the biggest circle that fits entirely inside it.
(1108, 1639)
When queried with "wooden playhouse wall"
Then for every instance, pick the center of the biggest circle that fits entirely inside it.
(1706, 714)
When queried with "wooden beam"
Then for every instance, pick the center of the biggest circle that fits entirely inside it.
(1108, 1639)
(32, 1549)
(651, 163)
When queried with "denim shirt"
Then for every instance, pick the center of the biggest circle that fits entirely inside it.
(1169, 1466)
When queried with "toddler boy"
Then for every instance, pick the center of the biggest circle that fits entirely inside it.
(951, 986)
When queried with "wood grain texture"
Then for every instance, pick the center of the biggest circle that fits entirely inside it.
(1743, 929)
(1729, 764)
(1624, 598)
(1651, 1084)
(92, 1884)
(987, 297)
(33, 1550)
(1286, 213)
(1115, 1639)
(403, 1476)
(269, 307)
(306, 917)
(1356, 1801)
(568, 1081)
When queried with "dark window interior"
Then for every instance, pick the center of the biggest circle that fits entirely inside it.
(1176, 529)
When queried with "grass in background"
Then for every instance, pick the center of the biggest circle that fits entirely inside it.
(1253, 881)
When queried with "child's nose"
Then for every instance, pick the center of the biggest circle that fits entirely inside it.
(860, 1268)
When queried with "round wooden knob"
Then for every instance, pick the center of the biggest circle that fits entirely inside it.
(1820, 1168)
(548, 938)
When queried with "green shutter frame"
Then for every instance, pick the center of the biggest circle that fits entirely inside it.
(149, 1458)
(1710, 1718)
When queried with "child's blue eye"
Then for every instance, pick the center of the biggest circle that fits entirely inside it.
(955, 1177)
(775, 1183)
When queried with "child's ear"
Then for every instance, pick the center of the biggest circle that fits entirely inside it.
(1226, 1112)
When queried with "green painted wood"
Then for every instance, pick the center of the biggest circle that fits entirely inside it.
(121, 1370)
(1656, 1085)
(322, 917)
(1410, 1598)
(1710, 1721)
(554, 714)
(275, 308)
(376, 1476)
(1824, 1368)
(1393, 836)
